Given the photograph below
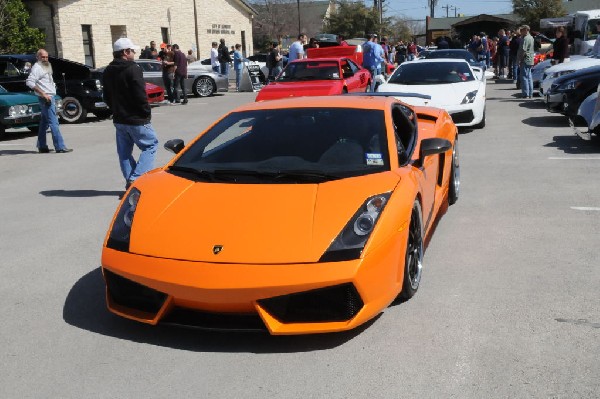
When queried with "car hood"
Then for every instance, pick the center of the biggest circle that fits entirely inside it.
(254, 223)
(8, 99)
(573, 65)
(441, 95)
(298, 89)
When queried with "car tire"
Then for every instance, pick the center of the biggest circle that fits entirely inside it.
(413, 260)
(481, 124)
(454, 184)
(33, 129)
(72, 110)
(103, 114)
(204, 86)
(344, 90)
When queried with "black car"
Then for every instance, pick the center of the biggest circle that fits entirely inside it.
(81, 93)
(568, 92)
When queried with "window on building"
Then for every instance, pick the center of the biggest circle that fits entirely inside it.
(117, 32)
(165, 35)
(88, 45)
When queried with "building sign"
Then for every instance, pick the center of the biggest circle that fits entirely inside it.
(219, 29)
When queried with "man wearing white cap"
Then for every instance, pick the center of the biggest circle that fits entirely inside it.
(125, 94)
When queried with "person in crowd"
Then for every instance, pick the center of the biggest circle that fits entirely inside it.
(372, 58)
(493, 48)
(411, 51)
(275, 61)
(150, 53)
(190, 57)
(443, 43)
(297, 48)
(474, 45)
(238, 65)
(312, 43)
(341, 40)
(596, 49)
(41, 81)
(125, 94)
(503, 53)
(400, 52)
(214, 58)
(515, 45)
(180, 74)
(384, 46)
(483, 50)
(560, 47)
(168, 73)
(224, 58)
(525, 56)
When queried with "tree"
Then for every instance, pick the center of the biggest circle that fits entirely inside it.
(531, 11)
(16, 36)
(355, 20)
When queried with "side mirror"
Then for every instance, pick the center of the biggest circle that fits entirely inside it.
(174, 145)
(348, 75)
(434, 146)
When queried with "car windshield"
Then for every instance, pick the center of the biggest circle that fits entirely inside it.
(300, 145)
(432, 73)
(461, 55)
(310, 70)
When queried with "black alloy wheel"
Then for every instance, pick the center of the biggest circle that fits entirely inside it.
(413, 264)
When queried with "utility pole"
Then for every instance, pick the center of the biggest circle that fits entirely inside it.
(447, 7)
(455, 9)
(432, 4)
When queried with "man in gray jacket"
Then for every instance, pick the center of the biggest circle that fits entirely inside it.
(525, 56)
(40, 80)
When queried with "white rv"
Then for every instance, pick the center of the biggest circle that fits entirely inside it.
(581, 26)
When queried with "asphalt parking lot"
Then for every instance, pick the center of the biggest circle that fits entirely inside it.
(508, 304)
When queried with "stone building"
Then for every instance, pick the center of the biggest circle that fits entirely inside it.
(84, 30)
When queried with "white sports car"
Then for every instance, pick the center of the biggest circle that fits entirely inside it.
(452, 85)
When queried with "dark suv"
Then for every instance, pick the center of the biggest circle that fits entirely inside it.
(79, 91)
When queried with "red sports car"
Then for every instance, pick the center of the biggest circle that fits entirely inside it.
(154, 93)
(317, 77)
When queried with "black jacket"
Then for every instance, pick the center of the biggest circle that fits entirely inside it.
(125, 93)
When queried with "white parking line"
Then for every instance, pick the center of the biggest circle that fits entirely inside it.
(576, 158)
(585, 208)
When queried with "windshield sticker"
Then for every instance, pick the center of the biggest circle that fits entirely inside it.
(373, 159)
(336, 75)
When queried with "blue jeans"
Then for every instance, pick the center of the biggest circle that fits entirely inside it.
(215, 68)
(515, 67)
(526, 80)
(238, 78)
(225, 68)
(49, 118)
(168, 87)
(144, 137)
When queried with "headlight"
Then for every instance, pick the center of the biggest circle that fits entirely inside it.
(353, 237)
(470, 97)
(121, 229)
(18, 110)
(12, 111)
(569, 85)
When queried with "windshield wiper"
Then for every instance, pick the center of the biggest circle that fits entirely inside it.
(204, 174)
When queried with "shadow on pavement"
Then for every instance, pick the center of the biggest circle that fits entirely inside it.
(574, 145)
(16, 152)
(547, 121)
(81, 193)
(85, 308)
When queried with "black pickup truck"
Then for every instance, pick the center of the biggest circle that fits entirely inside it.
(80, 92)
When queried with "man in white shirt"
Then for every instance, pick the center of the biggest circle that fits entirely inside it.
(297, 48)
(214, 57)
(40, 80)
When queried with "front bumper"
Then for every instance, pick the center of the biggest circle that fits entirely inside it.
(21, 121)
(555, 102)
(465, 114)
(281, 298)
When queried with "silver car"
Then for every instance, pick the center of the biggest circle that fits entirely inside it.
(199, 83)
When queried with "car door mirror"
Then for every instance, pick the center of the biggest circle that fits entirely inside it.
(434, 146)
(348, 75)
(175, 145)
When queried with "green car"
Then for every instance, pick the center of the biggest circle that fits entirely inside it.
(19, 110)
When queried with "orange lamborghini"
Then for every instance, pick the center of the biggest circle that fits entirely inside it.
(303, 215)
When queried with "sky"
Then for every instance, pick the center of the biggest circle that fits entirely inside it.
(419, 9)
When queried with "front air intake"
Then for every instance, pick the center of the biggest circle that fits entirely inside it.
(336, 303)
(130, 294)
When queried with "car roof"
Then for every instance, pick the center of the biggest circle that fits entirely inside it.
(341, 101)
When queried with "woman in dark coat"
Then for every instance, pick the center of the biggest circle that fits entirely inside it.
(560, 46)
